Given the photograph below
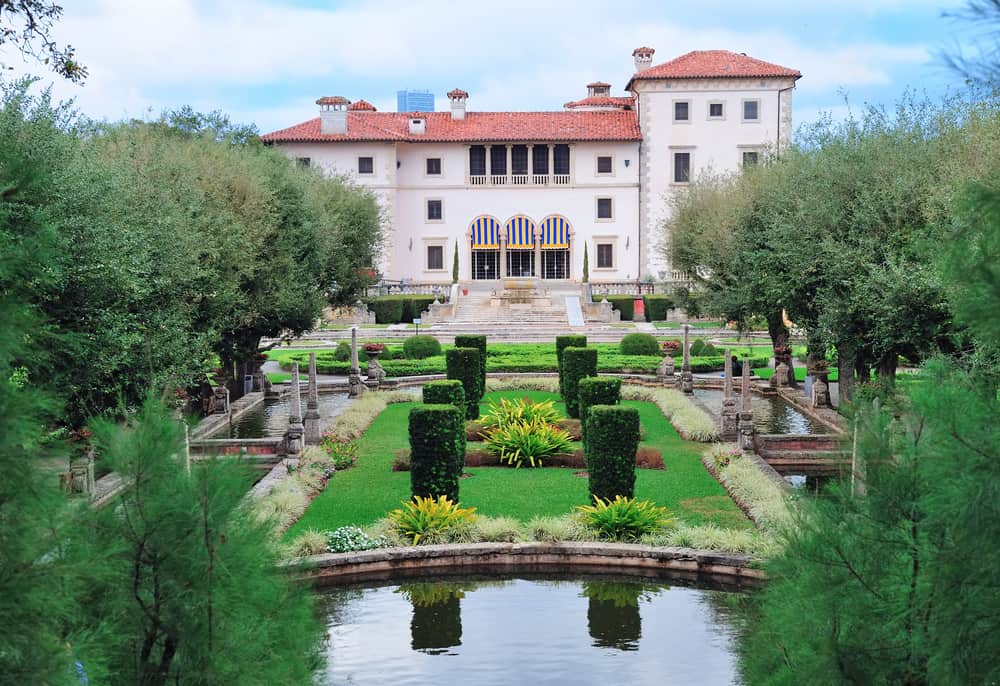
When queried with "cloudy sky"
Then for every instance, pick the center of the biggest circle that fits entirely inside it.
(267, 61)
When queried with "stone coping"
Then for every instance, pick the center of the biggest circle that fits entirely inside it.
(623, 558)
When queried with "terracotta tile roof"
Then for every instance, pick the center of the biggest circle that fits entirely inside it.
(333, 100)
(714, 64)
(602, 101)
(612, 125)
(457, 93)
(361, 106)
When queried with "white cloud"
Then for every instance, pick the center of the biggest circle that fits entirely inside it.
(519, 54)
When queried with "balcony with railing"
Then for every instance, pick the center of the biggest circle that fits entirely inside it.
(519, 165)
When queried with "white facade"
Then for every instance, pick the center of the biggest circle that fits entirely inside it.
(614, 200)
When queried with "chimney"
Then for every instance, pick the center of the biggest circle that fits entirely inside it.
(598, 89)
(418, 126)
(458, 98)
(333, 114)
(643, 58)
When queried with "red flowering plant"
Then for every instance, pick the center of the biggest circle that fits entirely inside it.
(670, 346)
(782, 351)
(373, 348)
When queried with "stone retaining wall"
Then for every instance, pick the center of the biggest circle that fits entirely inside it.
(394, 563)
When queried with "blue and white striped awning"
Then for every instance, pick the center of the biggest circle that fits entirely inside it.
(520, 232)
(555, 232)
(485, 233)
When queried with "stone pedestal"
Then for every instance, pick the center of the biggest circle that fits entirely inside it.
(729, 419)
(294, 435)
(311, 420)
(820, 392)
(780, 378)
(687, 379)
(375, 372)
(221, 404)
(81, 475)
(665, 372)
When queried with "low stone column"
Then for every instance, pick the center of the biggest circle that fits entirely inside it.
(729, 428)
(312, 429)
(665, 372)
(294, 434)
(687, 379)
(820, 392)
(780, 378)
(746, 413)
(355, 384)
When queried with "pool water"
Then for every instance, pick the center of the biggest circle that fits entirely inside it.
(270, 418)
(575, 630)
(771, 415)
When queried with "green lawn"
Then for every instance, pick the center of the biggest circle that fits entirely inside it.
(694, 325)
(800, 373)
(367, 491)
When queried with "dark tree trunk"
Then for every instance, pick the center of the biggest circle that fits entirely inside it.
(845, 371)
(887, 367)
(780, 335)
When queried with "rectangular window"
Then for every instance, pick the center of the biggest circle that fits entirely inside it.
(605, 208)
(434, 211)
(682, 167)
(561, 159)
(435, 257)
(477, 160)
(498, 160)
(750, 157)
(366, 165)
(540, 159)
(605, 164)
(715, 110)
(605, 256)
(433, 166)
(751, 110)
(303, 162)
(681, 110)
(519, 159)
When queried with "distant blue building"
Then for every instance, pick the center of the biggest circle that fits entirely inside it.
(414, 101)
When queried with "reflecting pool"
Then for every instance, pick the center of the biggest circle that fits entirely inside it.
(771, 414)
(531, 630)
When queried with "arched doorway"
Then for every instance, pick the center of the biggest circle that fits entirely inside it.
(555, 234)
(520, 246)
(485, 235)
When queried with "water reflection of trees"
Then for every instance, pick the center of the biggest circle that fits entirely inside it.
(613, 616)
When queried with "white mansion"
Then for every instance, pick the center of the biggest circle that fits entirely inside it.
(522, 193)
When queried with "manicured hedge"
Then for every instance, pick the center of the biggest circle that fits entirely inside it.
(479, 343)
(612, 439)
(396, 309)
(463, 365)
(578, 363)
(563, 342)
(437, 450)
(657, 307)
(447, 392)
(622, 303)
(597, 390)
(418, 347)
(639, 344)
(700, 348)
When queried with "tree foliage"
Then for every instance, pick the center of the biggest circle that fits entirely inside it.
(27, 25)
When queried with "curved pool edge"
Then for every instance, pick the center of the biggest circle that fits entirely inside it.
(619, 558)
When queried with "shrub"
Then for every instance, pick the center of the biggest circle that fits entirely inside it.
(578, 363)
(556, 529)
(697, 347)
(463, 365)
(419, 347)
(507, 412)
(598, 390)
(350, 538)
(343, 352)
(437, 450)
(563, 342)
(498, 530)
(423, 516)
(527, 441)
(343, 454)
(309, 542)
(414, 306)
(446, 392)
(479, 343)
(639, 344)
(657, 307)
(624, 519)
(387, 310)
(622, 303)
(612, 434)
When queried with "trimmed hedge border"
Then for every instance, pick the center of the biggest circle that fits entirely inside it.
(437, 450)
(563, 342)
(657, 307)
(446, 392)
(463, 365)
(398, 309)
(578, 363)
(612, 439)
